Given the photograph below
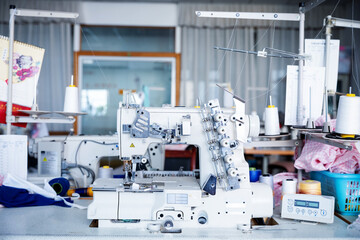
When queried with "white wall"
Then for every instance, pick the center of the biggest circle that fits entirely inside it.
(128, 14)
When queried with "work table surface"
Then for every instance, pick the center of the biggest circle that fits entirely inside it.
(52, 222)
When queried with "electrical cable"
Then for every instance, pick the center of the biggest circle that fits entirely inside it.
(93, 54)
(243, 51)
(269, 73)
(265, 93)
(337, 4)
(90, 172)
(253, 48)
(332, 12)
(81, 167)
(231, 36)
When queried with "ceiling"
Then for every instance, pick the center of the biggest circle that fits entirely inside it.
(215, 1)
(283, 2)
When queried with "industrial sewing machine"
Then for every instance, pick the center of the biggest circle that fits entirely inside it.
(74, 157)
(222, 197)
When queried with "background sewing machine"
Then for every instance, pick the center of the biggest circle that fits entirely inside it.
(75, 157)
(221, 198)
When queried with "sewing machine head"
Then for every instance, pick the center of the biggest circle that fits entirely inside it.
(218, 134)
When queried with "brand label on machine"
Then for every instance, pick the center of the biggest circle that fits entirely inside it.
(177, 198)
(49, 163)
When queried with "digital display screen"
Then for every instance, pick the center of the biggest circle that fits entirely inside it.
(314, 204)
(310, 204)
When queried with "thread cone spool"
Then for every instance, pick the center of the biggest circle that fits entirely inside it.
(272, 126)
(60, 185)
(254, 174)
(288, 187)
(105, 172)
(310, 187)
(71, 103)
(267, 179)
(348, 116)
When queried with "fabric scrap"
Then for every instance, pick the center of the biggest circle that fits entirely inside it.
(18, 197)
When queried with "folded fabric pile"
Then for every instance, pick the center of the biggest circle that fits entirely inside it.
(16, 192)
(321, 157)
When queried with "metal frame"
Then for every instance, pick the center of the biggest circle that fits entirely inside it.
(297, 17)
(331, 22)
(25, 13)
(250, 15)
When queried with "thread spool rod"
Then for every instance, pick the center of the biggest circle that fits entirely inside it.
(270, 100)
(310, 103)
(9, 104)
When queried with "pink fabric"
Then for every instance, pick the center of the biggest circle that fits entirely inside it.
(278, 178)
(320, 122)
(321, 157)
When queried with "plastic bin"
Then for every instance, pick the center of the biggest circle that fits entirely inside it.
(344, 187)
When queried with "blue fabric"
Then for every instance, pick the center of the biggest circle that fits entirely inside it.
(18, 197)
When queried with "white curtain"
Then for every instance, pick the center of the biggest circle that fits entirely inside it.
(55, 36)
(250, 77)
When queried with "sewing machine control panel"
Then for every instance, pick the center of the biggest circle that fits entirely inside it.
(314, 208)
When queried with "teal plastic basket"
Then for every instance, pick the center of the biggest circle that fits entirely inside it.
(344, 187)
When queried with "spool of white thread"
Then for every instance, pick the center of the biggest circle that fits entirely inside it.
(348, 116)
(288, 187)
(272, 126)
(105, 172)
(71, 103)
(267, 179)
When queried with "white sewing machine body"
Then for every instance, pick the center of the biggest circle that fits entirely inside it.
(73, 150)
(223, 196)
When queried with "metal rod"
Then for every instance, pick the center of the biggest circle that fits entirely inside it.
(347, 23)
(9, 104)
(256, 53)
(250, 15)
(326, 127)
(42, 13)
(300, 114)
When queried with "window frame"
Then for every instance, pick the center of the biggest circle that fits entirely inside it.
(176, 56)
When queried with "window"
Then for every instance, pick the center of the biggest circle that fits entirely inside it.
(105, 78)
(117, 59)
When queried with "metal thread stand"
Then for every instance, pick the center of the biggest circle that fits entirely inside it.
(331, 22)
(27, 13)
